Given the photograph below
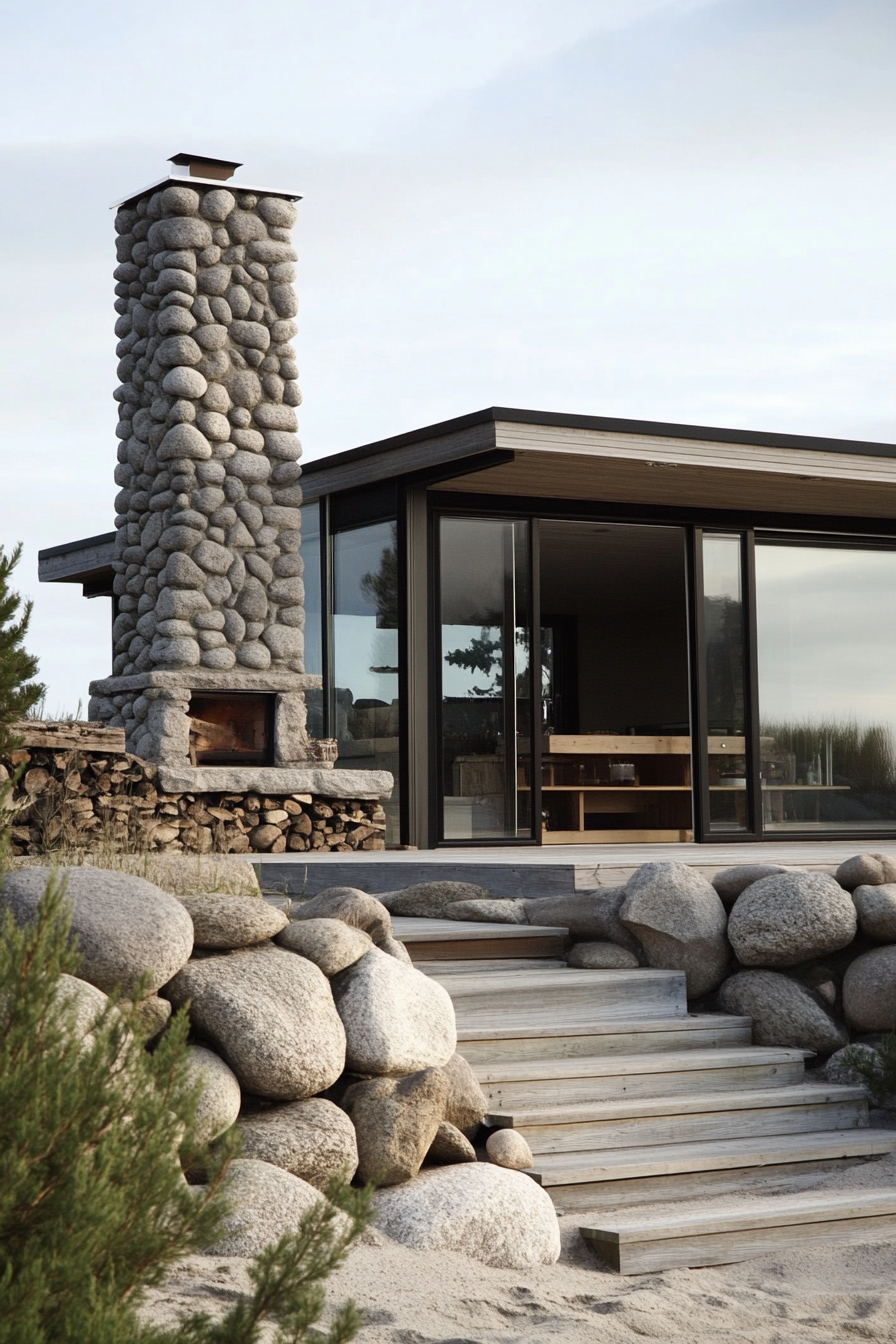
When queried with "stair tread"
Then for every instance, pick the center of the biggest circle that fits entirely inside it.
(693, 1022)
(547, 979)
(437, 969)
(631, 1108)
(672, 1061)
(786, 1210)
(708, 1155)
(414, 929)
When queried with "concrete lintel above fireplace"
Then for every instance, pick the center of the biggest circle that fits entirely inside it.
(202, 679)
(329, 783)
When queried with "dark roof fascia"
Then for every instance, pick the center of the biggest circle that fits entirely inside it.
(102, 539)
(607, 424)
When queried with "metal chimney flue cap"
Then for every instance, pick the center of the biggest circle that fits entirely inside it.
(200, 165)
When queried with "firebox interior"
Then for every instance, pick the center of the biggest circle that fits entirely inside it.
(235, 728)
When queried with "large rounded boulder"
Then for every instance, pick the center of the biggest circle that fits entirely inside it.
(126, 928)
(791, 918)
(219, 1096)
(784, 1011)
(866, 870)
(330, 943)
(495, 1216)
(431, 900)
(266, 1203)
(271, 1015)
(876, 911)
(223, 922)
(730, 882)
(869, 991)
(589, 915)
(396, 1019)
(396, 1121)
(466, 1105)
(349, 904)
(679, 920)
(312, 1139)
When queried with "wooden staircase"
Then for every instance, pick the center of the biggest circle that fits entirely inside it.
(626, 1099)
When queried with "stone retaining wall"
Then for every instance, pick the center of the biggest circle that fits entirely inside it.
(68, 798)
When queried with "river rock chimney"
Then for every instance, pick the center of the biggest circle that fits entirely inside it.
(208, 570)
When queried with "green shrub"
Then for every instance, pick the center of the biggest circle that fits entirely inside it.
(18, 693)
(93, 1203)
(876, 1067)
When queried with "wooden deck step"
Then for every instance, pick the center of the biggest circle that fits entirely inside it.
(591, 1180)
(539, 998)
(454, 939)
(571, 1040)
(440, 970)
(599, 1126)
(511, 1086)
(742, 1230)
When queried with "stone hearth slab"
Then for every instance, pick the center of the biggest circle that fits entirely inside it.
(328, 783)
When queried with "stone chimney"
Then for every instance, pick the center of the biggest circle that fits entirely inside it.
(209, 597)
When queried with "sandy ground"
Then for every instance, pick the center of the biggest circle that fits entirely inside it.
(828, 1293)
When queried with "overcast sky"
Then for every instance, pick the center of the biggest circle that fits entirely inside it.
(663, 209)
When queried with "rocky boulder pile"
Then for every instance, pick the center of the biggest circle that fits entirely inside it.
(810, 956)
(318, 1039)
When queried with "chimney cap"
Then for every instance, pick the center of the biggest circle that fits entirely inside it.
(202, 165)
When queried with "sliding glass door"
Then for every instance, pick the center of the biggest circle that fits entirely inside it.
(727, 798)
(826, 618)
(484, 667)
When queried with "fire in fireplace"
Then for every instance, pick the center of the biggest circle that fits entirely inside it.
(235, 728)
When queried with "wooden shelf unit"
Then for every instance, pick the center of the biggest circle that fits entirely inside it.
(583, 805)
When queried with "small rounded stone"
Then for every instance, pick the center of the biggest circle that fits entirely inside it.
(176, 350)
(244, 387)
(179, 201)
(212, 337)
(269, 416)
(184, 441)
(214, 426)
(217, 205)
(508, 1148)
(175, 321)
(171, 280)
(220, 660)
(184, 382)
(278, 212)
(214, 280)
(254, 656)
(217, 398)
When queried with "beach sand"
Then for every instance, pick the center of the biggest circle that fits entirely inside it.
(827, 1293)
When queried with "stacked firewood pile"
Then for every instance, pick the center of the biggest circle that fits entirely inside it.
(78, 789)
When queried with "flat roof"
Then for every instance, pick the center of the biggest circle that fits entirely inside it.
(451, 441)
(609, 424)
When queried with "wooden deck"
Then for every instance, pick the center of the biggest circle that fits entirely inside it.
(626, 1099)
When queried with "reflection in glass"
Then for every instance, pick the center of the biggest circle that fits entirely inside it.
(365, 718)
(485, 691)
(313, 613)
(827, 686)
(723, 620)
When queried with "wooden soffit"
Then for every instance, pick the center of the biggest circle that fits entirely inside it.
(568, 463)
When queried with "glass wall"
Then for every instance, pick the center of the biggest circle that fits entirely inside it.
(827, 686)
(314, 630)
(485, 693)
(615, 688)
(726, 685)
(364, 715)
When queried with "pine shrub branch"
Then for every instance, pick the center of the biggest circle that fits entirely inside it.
(95, 1133)
(18, 692)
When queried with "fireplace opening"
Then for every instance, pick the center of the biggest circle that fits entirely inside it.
(235, 728)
